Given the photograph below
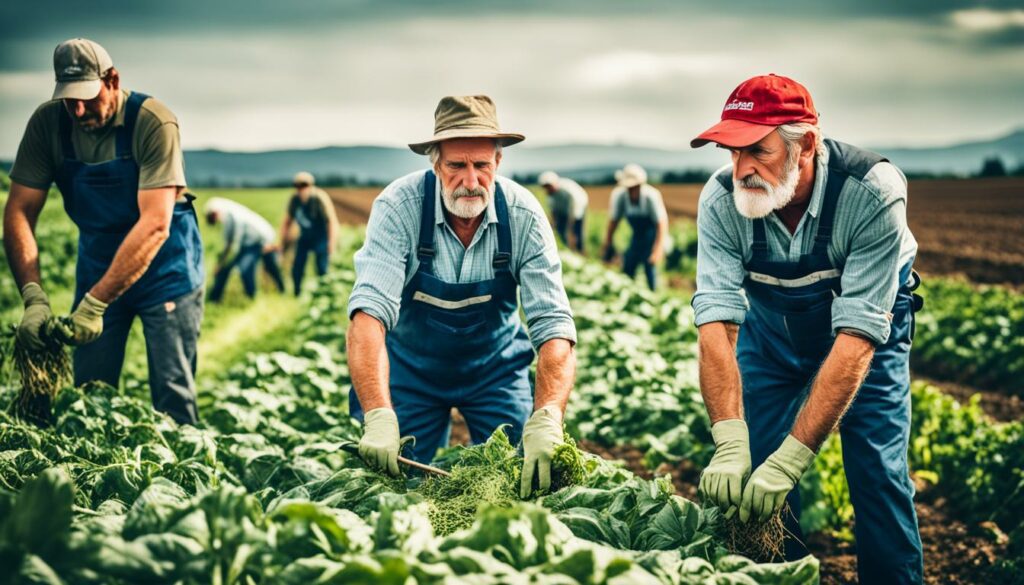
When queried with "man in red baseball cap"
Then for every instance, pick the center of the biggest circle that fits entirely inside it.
(803, 245)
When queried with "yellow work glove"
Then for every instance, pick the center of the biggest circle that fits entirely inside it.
(87, 320)
(37, 311)
(772, 481)
(542, 433)
(379, 445)
(721, 482)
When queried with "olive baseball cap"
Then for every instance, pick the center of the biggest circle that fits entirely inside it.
(79, 65)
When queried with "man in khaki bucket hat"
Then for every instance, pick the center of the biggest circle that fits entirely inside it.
(437, 286)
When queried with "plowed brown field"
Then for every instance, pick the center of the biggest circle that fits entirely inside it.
(971, 227)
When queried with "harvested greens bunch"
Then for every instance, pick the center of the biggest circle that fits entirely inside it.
(43, 372)
(488, 474)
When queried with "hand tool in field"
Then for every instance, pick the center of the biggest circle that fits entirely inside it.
(353, 448)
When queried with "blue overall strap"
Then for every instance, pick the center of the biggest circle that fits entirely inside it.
(126, 131)
(833, 187)
(66, 145)
(425, 248)
(760, 244)
(503, 257)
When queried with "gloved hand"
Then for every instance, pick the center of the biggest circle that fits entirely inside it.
(541, 434)
(379, 445)
(87, 320)
(721, 482)
(768, 486)
(37, 311)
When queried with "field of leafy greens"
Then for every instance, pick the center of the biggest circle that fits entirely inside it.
(261, 493)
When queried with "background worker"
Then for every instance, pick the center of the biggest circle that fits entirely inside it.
(248, 240)
(116, 158)
(435, 307)
(568, 207)
(804, 310)
(643, 208)
(313, 211)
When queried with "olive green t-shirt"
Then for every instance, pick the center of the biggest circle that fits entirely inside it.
(156, 145)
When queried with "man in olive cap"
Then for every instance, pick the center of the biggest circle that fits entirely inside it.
(804, 307)
(435, 309)
(116, 158)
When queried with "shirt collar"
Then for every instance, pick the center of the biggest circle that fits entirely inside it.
(820, 178)
(491, 215)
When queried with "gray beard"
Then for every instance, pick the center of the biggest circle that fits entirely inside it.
(753, 204)
(456, 204)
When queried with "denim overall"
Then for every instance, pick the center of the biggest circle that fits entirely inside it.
(103, 201)
(312, 240)
(782, 343)
(458, 345)
(645, 232)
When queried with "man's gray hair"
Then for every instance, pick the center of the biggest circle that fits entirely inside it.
(792, 133)
(434, 151)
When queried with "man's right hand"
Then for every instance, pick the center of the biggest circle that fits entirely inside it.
(37, 311)
(379, 445)
(721, 482)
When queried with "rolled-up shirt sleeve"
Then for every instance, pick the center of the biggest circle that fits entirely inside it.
(542, 293)
(871, 274)
(380, 266)
(720, 270)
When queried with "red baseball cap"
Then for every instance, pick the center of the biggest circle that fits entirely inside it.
(756, 107)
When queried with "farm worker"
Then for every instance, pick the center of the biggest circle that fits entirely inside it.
(248, 240)
(313, 211)
(568, 207)
(447, 252)
(805, 314)
(643, 208)
(116, 158)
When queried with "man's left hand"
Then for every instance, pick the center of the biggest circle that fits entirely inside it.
(656, 256)
(87, 320)
(767, 488)
(541, 434)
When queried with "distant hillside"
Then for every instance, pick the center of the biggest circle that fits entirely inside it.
(959, 159)
(589, 162)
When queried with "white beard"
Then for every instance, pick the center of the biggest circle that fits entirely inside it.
(457, 204)
(755, 204)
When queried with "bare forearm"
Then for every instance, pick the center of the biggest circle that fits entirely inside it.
(834, 389)
(132, 259)
(20, 215)
(659, 238)
(556, 374)
(368, 361)
(21, 248)
(720, 383)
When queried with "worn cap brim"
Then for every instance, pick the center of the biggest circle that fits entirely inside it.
(77, 90)
(503, 138)
(733, 134)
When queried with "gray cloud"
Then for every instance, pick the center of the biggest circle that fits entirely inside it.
(275, 75)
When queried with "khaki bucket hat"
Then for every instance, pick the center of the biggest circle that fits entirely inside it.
(471, 116)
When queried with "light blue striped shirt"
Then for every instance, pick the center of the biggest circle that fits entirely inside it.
(870, 243)
(387, 261)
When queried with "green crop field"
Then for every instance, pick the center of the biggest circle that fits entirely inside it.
(260, 492)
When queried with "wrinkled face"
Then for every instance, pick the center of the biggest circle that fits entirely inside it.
(467, 167)
(764, 176)
(91, 115)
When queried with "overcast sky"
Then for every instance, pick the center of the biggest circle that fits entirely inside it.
(264, 74)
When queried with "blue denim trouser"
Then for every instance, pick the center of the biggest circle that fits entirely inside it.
(302, 250)
(171, 330)
(246, 261)
(875, 435)
(562, 229)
